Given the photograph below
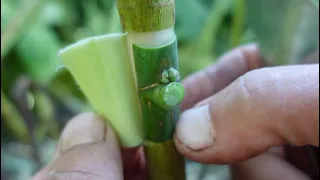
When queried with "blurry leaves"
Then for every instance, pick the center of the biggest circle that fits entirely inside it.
(16, 160)
(316, 2)
(47, 126)
(289, 33)
(17, 164)
(53, 13)
(238, 23)
(97, 20)
(39, 55)
(188, 26)
(201, 50)
(12, 119)
(65, 88)
(22, 20)
(6, 12)
(214, 23)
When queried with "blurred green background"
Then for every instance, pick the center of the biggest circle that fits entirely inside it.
(38, 97)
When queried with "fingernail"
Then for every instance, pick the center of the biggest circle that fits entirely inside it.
(83, 129)
(195, 129)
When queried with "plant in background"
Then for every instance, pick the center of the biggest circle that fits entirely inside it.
(132, 80)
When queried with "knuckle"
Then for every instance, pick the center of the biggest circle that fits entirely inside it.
(246, 89)
(250, 100)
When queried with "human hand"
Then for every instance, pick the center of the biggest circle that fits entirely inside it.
(241, 129)
(89, 149)
(237, 111)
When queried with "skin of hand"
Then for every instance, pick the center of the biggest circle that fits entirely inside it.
(235, 112)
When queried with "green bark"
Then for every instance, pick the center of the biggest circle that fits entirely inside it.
(146, 15)
(160, 93)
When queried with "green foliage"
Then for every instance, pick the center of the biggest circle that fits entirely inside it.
(38, 55)
(316, 2)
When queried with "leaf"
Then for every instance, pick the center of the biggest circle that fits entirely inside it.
(7, 10)
(200, 51)
(12, 119)
(20, 24)
(37, 51)
(53, 13)
(190, 18)
(289, 33)
(96, 20)
(316, 2)
(237, 24)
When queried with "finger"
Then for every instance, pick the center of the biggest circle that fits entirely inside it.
(264, 108)
(265, 167)
(88, 149)
(213, 79)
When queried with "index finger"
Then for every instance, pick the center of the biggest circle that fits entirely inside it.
(229, 67)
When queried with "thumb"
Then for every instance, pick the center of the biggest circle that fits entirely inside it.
(264, 108)
(88, 149)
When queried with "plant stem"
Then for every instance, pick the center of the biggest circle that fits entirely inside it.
(152, 49)
(147, 39)
(152, 65)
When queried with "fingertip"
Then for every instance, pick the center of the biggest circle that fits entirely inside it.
(88, 148)
(83, 128)
(195, 134)
(195, 129)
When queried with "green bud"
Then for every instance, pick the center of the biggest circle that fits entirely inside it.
(174, 75)
(170, 95)
(164, 77)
